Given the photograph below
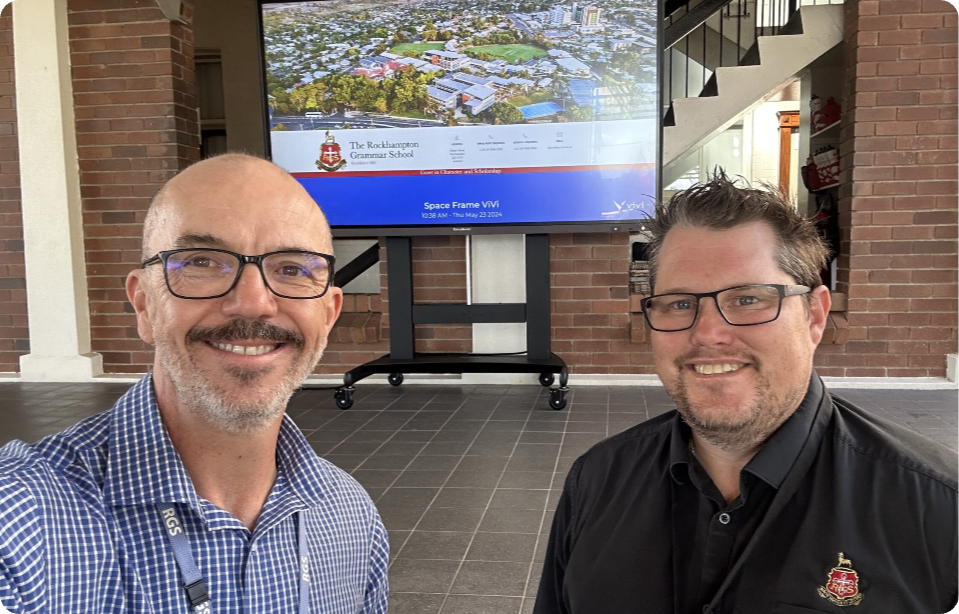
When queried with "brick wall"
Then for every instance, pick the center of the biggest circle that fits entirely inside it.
(135, 101)
(589, 279)
(14, 334)
(898, 209)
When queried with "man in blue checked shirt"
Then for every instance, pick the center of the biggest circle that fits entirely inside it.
(195, 493)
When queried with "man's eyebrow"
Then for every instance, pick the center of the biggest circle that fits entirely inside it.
(207, 240)
(197, 240)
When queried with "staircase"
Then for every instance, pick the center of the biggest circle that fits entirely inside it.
(769, 65)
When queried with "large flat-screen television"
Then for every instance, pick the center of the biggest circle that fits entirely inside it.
(408, 117)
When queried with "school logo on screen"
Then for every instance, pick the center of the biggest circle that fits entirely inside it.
(330, 157)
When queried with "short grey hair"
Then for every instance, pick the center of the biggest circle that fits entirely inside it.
(720, 204)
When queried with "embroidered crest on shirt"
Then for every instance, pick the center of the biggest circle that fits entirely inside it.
(842, 585)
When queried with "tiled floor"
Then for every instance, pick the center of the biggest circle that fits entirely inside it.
(465, 477)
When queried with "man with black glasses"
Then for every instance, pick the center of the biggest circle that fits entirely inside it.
(195, 493)
(762, 492)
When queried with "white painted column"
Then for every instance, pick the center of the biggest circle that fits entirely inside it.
(57, 303)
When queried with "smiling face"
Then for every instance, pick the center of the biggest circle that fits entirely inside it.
(234, 361)
(734, 385)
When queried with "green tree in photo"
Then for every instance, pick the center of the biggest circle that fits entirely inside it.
(503, 113)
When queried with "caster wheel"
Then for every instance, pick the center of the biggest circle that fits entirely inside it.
(344, 398)
(395, 379)
(557, 398)
(546, 379)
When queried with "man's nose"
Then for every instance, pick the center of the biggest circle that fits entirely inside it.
(250, 297)
(710, 327)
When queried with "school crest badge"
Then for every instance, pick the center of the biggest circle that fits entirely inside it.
(842, 585)
(330, 157)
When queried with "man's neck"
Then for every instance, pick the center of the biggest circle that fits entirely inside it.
(723, 466)
(235, 472)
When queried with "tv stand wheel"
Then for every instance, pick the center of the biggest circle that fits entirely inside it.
(344, 397)
(557, 397)
(546, 379)
(395, 379)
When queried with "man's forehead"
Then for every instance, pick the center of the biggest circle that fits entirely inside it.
(233, 203)
(741, 253)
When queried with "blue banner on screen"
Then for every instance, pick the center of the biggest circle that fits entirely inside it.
(426, 113)
(484, 196)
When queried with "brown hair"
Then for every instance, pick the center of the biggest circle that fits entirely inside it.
(720, 204)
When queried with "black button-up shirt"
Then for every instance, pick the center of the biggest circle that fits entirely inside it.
(642, 528)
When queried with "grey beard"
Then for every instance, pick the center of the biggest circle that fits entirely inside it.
(214, 406)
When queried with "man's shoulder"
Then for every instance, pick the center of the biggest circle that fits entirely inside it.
(40, 468)
(342, 483)
(878, 440)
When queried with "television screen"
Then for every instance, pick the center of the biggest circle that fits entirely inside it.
(447, 116)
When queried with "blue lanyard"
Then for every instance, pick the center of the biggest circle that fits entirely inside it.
(193, 582)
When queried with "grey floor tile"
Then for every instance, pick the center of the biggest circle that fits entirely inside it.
(415, 603)
(448, 545)
(512, 521)
(513, 547)
(474, 479)
(476, 604)
(450, 519)
(518, 499)
(407, 497)
(486, 578)
(400, 518)
(382, 478)
(419, 576)
(434, 463)
(422, 478)
(387, 461)
(526, 479)
(464, 497)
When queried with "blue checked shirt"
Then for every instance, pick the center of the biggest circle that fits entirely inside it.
(79, 530)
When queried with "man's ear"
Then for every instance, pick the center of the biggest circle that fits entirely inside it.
(819, 303)
(334, 304)
(138, 295)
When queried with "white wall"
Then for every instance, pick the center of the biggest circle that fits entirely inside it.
(765, 140)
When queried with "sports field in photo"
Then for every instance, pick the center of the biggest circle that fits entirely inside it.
(511, 53)
(417, 47)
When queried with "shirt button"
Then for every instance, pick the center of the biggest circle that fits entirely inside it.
(253, 548)
(724, 518)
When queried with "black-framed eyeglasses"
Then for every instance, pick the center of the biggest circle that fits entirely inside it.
(212, 273)
(739, 306)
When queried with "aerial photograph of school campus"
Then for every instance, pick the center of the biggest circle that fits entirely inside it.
(421, 63)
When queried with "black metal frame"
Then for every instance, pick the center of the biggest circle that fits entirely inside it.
(404, 315)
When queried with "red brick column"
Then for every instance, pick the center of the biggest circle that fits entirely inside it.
(135, 101)
(14, 333)
(898, 198)
(589, 278)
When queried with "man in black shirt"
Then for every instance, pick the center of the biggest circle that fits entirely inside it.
(763, 492)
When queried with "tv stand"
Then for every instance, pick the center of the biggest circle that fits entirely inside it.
(535, 312)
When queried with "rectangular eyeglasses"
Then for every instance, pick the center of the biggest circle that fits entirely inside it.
(739, 306)
(212, 273)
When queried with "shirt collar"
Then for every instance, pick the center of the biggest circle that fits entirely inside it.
(143, 467)
(775, 458)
